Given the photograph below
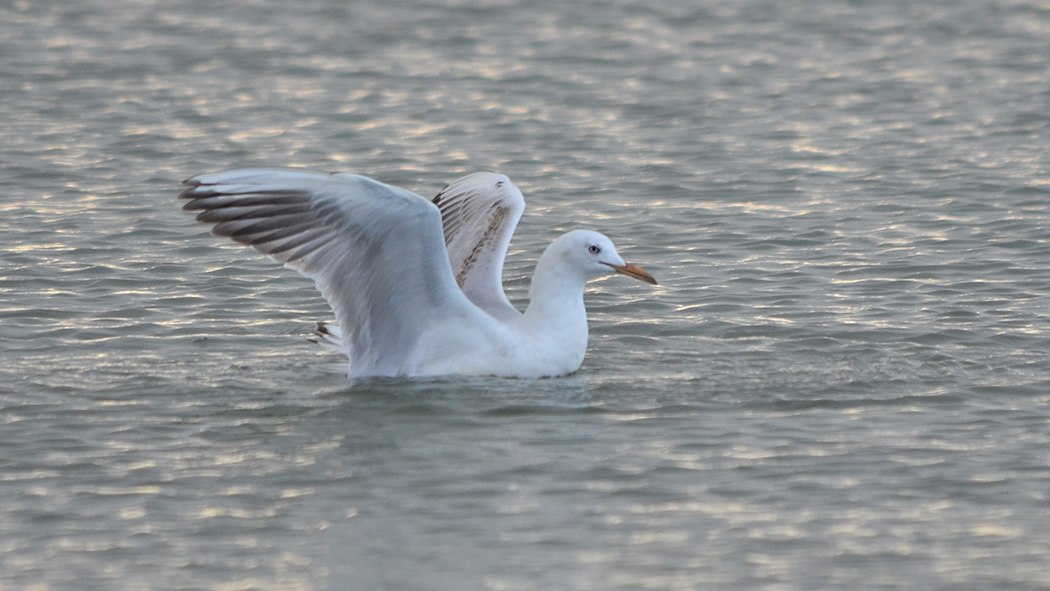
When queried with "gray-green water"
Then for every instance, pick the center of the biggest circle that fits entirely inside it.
(842, 382)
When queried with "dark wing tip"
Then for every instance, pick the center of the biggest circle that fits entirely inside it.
(193, 189)
(440, 195)
(197, 198)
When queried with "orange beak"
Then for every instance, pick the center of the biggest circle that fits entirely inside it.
(634, 272)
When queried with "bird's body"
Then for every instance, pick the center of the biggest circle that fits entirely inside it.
(416, 285)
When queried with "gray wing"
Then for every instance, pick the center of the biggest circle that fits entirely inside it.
(374, 251)
(479, 213)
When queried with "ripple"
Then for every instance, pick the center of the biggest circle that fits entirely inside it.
(844, 368)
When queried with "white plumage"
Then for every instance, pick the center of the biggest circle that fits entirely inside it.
(416, 288)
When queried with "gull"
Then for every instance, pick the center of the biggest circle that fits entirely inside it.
(416, 284)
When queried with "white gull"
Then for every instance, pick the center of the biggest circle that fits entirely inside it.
(416, 284)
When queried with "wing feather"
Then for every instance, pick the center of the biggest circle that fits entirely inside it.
(479, 213)
(374, 252)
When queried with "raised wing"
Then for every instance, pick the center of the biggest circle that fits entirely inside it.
(374, 251)
(479, 213)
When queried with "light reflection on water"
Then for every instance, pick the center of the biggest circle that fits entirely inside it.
(840, 383)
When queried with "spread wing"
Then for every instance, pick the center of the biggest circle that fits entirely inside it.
(374, 251)
(479, 213)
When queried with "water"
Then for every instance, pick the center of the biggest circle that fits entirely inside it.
(842, 381)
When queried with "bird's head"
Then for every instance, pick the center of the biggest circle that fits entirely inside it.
(594, 254)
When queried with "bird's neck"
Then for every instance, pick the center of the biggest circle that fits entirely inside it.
(556, 300)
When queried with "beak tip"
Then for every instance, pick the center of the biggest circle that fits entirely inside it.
(636, 272)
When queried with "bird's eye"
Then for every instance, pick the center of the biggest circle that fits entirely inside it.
(593, 249)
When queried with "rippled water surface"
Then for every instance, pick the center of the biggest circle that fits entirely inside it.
(841, 383)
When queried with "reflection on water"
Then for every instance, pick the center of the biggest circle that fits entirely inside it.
(840, 383)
